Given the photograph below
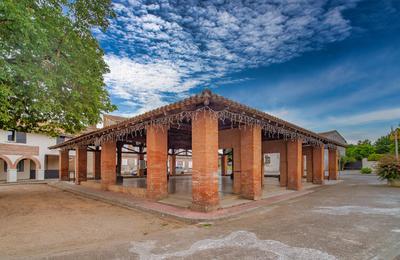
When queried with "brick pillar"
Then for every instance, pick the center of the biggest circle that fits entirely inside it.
(157, 155)
(97, 164)
(318, 164)
(172, 164)
(236, 169)
(308, 152)
(294, 154)
(283, 165)
(224, 164)
(250, 139)
(262, 169)
(80, 164)
(333, 164)
(205, 195)
(63, 163)
(140, 169)
(119, 158)
(108, 162)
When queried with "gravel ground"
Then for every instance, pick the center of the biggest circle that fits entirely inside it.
(356, 219)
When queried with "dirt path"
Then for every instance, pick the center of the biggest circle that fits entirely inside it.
(40, 220)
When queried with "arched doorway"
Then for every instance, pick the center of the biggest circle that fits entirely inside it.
(27, 167)
(5, 164)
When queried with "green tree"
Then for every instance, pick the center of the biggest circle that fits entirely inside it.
(362, 150)
(51, 66)
(383, 145)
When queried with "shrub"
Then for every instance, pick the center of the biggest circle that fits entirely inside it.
(366, 170)
(375, 157)
(345, 160)
(388, 168)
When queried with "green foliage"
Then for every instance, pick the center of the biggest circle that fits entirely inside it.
(51, 66)
(384, 145)
(366, 170)
(362, 150)
(388, 168)
(374, 157)
(5, 105)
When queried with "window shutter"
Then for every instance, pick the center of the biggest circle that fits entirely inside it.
(21, 137)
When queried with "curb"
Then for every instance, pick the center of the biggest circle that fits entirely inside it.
(222, 214)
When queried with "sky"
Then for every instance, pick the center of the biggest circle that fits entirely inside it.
(321, 64)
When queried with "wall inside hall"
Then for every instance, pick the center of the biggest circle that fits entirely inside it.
(273, 165)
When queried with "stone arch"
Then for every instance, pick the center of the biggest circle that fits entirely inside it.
(7, 160)
(34, 159)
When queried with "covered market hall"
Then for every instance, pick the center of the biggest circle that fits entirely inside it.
(202, 126)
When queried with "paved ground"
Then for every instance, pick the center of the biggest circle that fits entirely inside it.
(356, 219)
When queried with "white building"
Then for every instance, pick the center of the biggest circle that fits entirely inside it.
(272, 160)
(26, 156)
(336, 136)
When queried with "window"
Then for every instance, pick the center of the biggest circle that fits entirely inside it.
(20, 166)
(18, 137)
(11, 135)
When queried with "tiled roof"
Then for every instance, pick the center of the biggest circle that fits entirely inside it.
(191, 104)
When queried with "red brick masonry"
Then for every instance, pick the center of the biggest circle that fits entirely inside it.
(157, 153)
(205, 195)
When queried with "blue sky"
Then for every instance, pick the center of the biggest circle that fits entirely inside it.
(320, 64)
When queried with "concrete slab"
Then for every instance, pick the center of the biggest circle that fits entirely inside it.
(176, 206)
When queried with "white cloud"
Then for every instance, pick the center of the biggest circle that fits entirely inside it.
(172, 47)
(142, 85)
(352, 126)
(294, 116)
(132, 76)
(366, 117)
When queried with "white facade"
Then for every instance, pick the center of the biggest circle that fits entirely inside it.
(33, 152)
(369, 164)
